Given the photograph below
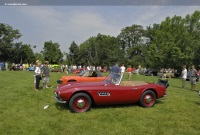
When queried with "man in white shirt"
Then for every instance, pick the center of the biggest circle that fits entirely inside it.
(88, 68)
(122, 68)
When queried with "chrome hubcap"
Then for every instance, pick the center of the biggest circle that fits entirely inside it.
(80, 103)
(148, 99)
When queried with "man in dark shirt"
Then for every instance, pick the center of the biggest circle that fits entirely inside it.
(45, 74)
(116, 69)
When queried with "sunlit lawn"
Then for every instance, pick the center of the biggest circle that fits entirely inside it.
(22, 112)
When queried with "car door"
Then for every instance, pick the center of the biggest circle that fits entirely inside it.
(116, 94)
(92, 79)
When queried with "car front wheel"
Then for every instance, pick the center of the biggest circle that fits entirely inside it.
(80, 102)
(148, 99)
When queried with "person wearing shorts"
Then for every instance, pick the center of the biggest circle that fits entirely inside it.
(45, 74)
(193, 77)
(129, 70)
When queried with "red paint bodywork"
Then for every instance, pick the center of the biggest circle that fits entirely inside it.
(117, 94)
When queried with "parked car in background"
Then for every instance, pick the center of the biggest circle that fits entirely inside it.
(76, 71)
(56, 68)
(151, 72)
(104, 69)
(81, 96)
(84, 76)
(16, 67)
(31, 68)
(166, 73)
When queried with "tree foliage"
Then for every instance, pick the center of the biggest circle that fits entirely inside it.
(7, 36)
(101, 50)
(175, 41)
(51, 52)
(22, 53)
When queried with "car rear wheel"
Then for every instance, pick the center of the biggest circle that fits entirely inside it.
(148, 99)
(80, 102)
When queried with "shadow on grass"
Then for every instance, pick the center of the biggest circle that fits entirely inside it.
(96, 107)
(198, 103)
(61, 107)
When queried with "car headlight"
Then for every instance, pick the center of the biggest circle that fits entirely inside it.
(57, 94)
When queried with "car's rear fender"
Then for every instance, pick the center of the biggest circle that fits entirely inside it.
(151, 90)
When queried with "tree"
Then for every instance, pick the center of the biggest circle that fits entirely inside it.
(174, 42)
(73, 55)
(193, 27)
(22, 53)
(39, 56)
(133, 43)
(7, 36)
(101, 50)
(52, 52)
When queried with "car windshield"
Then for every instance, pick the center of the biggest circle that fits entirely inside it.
(84, 73)
(113, 78)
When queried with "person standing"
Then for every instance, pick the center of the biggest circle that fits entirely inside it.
(184, 76)
(89, 68)
(45, 74)
(129, 70)
(37, 75)
(115, 69)
(63, 68)
(122, 68)
(193, 77)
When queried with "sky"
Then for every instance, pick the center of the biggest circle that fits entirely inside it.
(64, 24)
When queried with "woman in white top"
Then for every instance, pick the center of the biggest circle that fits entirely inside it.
(37, 75)
(184, 76)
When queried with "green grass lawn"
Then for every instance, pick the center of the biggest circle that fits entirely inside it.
(22, 112)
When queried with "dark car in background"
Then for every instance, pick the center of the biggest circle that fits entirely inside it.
(151, 72)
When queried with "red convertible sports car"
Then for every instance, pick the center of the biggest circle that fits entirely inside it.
(81, 96)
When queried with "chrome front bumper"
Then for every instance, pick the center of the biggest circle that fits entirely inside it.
(59, 100)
